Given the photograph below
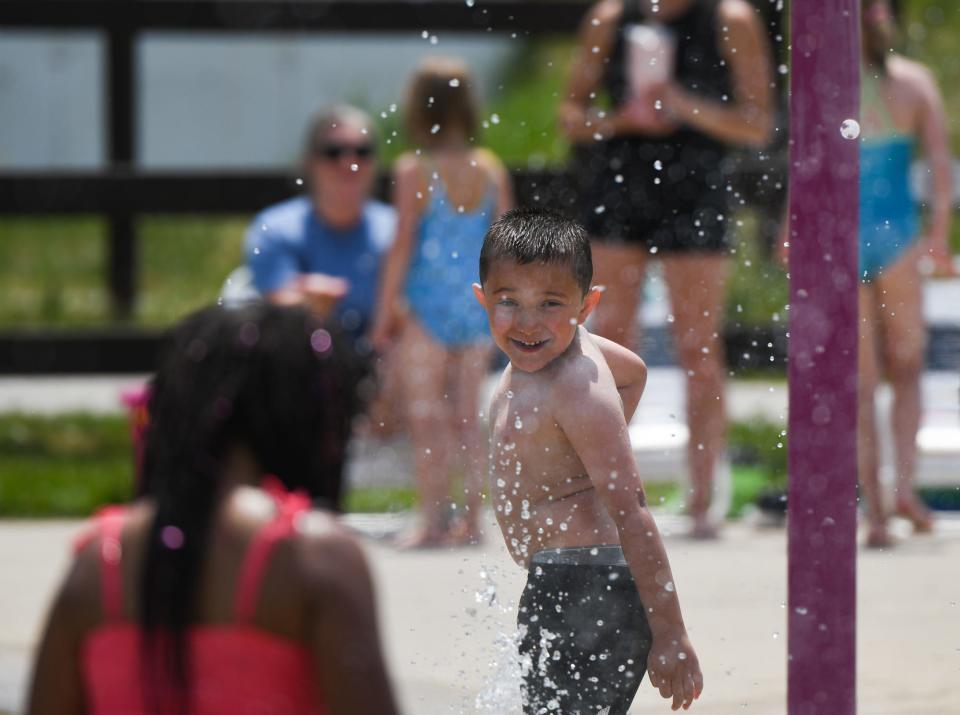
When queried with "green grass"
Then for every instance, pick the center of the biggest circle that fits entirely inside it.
(68, 466)
(52, 270)
(378, 501)
(63, 466)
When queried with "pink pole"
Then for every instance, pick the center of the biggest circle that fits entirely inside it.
(824, 202)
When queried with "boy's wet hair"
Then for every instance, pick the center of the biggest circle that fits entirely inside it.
(537, 235)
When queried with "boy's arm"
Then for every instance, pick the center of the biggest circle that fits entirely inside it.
(588, 412)
(629, 373)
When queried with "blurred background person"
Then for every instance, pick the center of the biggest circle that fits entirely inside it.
(687, 80)
(324, 248)
(447, 194)
(901, 112)
(220, 590)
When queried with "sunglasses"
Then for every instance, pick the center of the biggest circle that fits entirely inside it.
(333, 152)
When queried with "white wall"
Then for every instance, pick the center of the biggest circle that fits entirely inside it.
(50, 107)
(209, 99)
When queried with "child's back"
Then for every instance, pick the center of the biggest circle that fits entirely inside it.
(252, 604)
(458, 193)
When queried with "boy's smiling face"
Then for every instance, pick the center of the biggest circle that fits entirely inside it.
(534, 310)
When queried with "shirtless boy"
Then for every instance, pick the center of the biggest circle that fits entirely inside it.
(600, 606)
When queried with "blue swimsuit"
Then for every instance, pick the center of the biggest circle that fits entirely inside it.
(444, 266)
(889, 217)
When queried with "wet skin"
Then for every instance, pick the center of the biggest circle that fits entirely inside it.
(540, 489)
(562, 470)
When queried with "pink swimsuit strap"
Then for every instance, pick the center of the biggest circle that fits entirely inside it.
(111, 584)
(289, 506)
(110, 521)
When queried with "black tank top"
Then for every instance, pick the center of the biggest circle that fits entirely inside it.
(698, 67)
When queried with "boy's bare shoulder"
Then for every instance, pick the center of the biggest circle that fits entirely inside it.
(577, 373)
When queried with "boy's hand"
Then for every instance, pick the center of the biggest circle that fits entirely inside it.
(674, 669)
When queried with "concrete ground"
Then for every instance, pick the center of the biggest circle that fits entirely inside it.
(445, 615)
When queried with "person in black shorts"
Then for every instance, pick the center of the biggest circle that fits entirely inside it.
(653, 175)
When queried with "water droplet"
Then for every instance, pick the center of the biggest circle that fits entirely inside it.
(563, 526)
(299, 182)
(518, 423)
(775, 635)
(172, 537)
(658, 165)
(494, 118)
(424, 34)
(524, 509)
(850, 129)
(454, 82)
(435, 128)
(354, 167)
(668, 587)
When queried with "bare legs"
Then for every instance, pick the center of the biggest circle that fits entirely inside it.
(696, 283)
(441, 392)
(697, 286)
(620, 269)
(892, 335)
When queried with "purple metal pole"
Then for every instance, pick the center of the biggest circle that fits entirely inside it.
(824, 203)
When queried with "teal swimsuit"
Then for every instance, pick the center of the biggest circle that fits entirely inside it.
(889, 216)
(445, 265)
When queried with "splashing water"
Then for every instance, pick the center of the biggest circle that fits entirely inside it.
(488, 591)
(850, 129)
(501, 689)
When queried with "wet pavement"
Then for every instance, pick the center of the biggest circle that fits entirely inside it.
(443, 620)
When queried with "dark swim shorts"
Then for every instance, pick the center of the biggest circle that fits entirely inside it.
(668, 196)
(585, 637)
